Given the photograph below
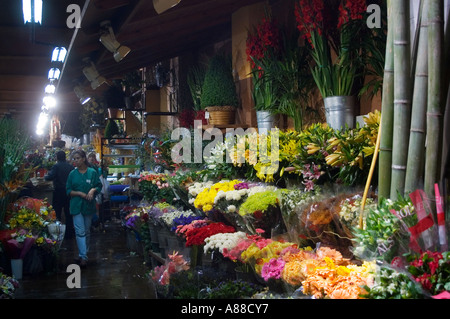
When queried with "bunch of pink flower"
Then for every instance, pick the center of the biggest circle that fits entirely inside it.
(176, 263)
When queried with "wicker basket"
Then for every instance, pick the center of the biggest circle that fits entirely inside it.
(221, 115)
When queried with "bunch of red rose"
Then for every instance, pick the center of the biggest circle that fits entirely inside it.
(197, 235)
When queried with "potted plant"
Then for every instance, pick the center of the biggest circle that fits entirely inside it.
(219, 97)
(334, 77)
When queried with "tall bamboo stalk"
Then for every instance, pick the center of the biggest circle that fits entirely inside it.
(387, 111)
(402, 95)
(416, 150)
(435, 95)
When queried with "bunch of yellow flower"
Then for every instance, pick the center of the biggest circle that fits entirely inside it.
(27, 219)
(205, 199)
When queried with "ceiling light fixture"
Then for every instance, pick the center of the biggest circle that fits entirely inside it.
(81, 94)
(32, 11)
(59, 54)
(53, 74)
(164, 5)
(108, 39)
(50, 89)
(91, 73)
(49, 101)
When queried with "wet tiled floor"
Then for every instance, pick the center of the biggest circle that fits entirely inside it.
(113, 272)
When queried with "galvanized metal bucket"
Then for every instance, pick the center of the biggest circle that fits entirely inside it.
(265, 120)
(339, 111)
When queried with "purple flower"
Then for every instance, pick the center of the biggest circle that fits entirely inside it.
(242, 185)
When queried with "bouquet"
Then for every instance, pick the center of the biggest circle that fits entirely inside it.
(155, 187)
(262, 214)
(431, 270)
(19, 244)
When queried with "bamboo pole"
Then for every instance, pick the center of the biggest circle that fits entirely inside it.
(435, 93)
(387, 111)
(369, 179)
(402, 95)
(416, 149)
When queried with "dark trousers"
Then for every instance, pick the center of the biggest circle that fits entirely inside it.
(61, 202)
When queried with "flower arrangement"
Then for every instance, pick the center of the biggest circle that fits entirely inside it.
(431, 270)
(351, 150)
(8, 286)
(30, 214)
(383, 236)
(175, 264)
(155, 187)
(223, 241)
(390, 283)
(157, 210)
(263, 47)
(316, 23)
(261, 212)
(18, 243)
(205, 199)
(197, 235)
(171, 219)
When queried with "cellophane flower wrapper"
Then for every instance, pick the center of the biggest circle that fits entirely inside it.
(262, 214)
(320, 222)
(173, 264)
(384, 236)
(393, 282)
(292, 204)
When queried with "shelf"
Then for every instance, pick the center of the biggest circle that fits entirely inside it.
(119, 155)
(123, 146)
(160, 113)
(124, 166)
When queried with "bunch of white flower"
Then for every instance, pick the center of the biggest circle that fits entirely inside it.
(260, 189)
(168, 217)
(223, 240)
(236, 195)
(197, 188)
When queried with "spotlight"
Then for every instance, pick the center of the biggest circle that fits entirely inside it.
(108, 39)
(81, 95)
(92, 75)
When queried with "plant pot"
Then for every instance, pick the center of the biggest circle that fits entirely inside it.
(221, 115)
(265, 120)
(339, 111)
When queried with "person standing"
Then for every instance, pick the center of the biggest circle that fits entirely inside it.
(59, 174)
(83, 184)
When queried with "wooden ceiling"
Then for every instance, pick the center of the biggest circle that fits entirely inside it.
(152, 37)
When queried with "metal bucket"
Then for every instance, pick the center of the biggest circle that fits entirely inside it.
(339, 111)
(265, 120)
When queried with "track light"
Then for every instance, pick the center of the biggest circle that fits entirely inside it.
(32, 11)
(92, 75)
(59, 54)
(50, 89)
(53, 74)
(108, 39)
(81, 94)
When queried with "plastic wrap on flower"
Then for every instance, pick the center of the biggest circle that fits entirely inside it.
(384, 235)
(174, 264)
(321, 223)
(292, 204)
(262, 214)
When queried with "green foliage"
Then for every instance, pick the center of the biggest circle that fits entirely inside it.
(218, 87)
(111, 129)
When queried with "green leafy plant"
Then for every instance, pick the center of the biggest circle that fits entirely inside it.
(218, 87)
